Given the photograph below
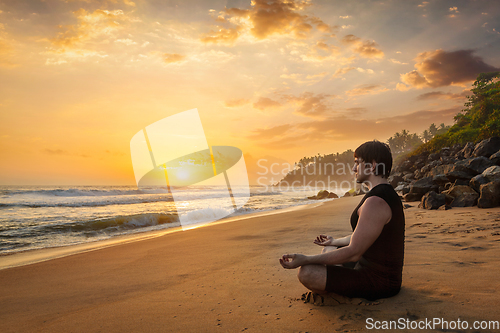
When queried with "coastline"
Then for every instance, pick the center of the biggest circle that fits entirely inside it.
(21, 258)
(229, 279)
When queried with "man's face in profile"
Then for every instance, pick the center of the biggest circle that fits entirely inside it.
(362, 170)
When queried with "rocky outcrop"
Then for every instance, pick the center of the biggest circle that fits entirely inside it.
(495, 158)
(464, 176)
(477, 181)
(463, 196)
(490, 195)
(487, 147)
(423, 186)
(395, 179)
(492, 173)
(432, 200)
(324, 194)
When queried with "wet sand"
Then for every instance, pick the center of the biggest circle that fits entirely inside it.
(226, 278)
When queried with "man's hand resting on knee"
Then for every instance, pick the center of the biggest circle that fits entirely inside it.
(323, 240)
(293, 260)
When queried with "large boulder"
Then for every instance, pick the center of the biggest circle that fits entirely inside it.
(463, 195)
(476, 165)
(426, 169)
(423, 186)
(463, 169)
(399, 188)
(487, 147)
(466, 151)
(490, 195)
(495, 158)
(477, 181)
(395, 179)
(408, 197)
(459, 171)
(432, 200)
(323, 194)
(440, 179)
(492, 173)
(452, 171)
(332, 195)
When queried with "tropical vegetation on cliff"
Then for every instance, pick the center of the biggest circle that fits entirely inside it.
(478, 121)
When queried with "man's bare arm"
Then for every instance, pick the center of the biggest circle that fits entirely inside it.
(373, 215)
(324, 240)
(344, 241)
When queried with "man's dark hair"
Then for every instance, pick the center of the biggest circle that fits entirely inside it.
(380, 153)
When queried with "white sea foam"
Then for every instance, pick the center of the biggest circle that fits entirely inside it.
(37, 217)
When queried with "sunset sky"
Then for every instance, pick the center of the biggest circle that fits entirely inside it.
(278, 79)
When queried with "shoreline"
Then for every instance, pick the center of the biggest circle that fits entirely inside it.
(33, 256)
(229, 279)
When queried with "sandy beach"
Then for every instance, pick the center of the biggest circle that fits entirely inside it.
(226, 278)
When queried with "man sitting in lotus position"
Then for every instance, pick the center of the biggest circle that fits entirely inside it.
(376, 246)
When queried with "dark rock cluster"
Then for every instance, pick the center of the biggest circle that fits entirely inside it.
(324, 194)
(458, 176)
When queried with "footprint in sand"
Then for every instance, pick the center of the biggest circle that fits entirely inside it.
(333, 299)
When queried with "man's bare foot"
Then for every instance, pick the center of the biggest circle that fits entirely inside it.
(332, 299)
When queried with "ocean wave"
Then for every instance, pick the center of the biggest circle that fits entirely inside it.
(91, 192)
(112, 224)
(100, 192)
(255, 194)
(119, 201)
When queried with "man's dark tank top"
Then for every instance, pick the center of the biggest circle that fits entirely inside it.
(385, 256)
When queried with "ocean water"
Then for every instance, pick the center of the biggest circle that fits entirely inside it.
(35, 217)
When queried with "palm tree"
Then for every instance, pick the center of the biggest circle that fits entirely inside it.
(426, 136)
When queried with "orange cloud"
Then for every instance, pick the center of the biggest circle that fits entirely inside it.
(100, 2)
(342, 71)
(440, 68)
(311, 105)
(366, 89)
(173, 57)
(341, 128)
(366, 48)
(304, 79)
(402, 87)
(100, 23)
(323, 46)
(414, 79)
(266, 18)
(225, 36)
(442, 95)
(265, 103)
